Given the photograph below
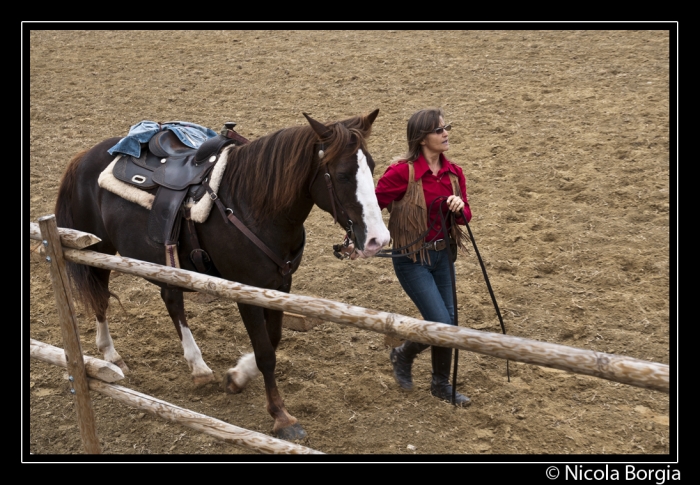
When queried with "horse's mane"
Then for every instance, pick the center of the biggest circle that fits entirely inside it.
(272, 171)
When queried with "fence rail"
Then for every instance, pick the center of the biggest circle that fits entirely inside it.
(627, 370)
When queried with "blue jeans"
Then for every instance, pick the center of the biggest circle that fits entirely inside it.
(428, 285)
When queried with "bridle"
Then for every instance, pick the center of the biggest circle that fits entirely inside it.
(333, 196)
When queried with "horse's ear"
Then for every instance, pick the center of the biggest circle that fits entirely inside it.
(321, 130)
(369, 119)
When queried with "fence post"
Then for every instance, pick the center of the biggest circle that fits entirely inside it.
(69, 330)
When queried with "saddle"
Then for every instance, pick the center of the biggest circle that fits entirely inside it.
(174, 173)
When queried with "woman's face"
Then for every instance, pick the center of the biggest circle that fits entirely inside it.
(435, 143)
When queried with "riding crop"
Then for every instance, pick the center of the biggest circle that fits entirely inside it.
(454, 292)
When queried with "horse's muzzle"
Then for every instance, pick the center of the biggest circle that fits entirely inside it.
(372, 246)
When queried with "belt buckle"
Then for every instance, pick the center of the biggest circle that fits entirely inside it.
(441, 242)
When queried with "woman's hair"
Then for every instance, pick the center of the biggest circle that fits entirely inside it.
(420, 124)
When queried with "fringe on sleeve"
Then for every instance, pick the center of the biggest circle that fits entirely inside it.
(456, 232)
(409, 218)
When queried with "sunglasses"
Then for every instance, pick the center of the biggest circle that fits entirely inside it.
(440, 129)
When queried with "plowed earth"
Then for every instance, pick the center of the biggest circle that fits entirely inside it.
(564, 139)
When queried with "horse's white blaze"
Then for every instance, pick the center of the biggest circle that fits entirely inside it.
(377, 234)
(104, 342)
(193, 355)
(245, 370)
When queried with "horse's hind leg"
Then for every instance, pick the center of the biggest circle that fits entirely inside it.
(201, 373)
(100, 303)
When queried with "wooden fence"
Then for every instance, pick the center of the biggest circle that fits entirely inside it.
(88, 373)
(60, 244)
(102, 375)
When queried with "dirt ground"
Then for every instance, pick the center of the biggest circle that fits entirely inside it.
(563, 136)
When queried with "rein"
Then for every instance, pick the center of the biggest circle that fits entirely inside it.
(332, 196)
(395, 252)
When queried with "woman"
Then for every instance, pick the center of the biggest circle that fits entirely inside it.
(413, 189)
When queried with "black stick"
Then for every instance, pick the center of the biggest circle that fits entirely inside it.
(488, 285)
(446, 238)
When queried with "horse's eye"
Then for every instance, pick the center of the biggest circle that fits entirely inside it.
(343, 177)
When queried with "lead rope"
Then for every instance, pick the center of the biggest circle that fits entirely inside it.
(454, 291)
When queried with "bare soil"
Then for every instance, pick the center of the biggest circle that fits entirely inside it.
(564, 139)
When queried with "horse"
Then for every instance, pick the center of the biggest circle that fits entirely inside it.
(268, 188)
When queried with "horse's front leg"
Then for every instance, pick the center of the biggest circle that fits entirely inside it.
(201, 373)
(265, 330)
(238, 378)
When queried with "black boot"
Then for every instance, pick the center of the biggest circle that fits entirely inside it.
(440, 386)
(402, 359)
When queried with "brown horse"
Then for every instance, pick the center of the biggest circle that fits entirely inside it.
(269, 186)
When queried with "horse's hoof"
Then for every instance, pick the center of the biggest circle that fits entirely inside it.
(203, 380)
(120, 363)
(291, 433)
(229, 386)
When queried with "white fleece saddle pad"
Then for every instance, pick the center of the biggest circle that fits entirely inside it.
(199, 211)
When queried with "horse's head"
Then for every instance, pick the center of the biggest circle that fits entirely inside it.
(343, 184)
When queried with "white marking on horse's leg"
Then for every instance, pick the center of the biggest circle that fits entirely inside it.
(377, 235)
(193, 355)
(105, 344)
(245, 370)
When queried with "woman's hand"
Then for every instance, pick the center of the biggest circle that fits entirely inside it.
(455, 203)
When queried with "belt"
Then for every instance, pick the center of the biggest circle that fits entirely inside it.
(437, 245)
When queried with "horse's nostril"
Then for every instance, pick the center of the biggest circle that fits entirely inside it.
(373, 244)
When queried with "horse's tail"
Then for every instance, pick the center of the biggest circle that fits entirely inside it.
(62, 211)
(89, 283)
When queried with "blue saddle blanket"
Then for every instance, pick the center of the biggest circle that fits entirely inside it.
(191, 134)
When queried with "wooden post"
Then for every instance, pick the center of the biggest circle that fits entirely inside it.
(70, 238)
(69, 330)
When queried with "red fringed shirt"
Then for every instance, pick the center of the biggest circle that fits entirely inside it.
(393, 184)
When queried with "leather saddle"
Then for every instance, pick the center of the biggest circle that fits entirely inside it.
(175, 173)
